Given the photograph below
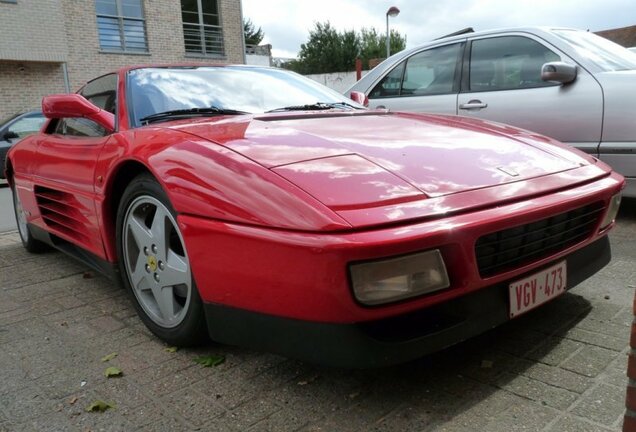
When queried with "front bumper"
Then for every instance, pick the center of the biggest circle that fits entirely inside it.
(390, 340)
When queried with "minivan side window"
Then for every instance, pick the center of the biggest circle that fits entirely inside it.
(508, 62)
(429, 72)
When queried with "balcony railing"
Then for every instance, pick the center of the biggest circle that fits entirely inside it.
(203, 39)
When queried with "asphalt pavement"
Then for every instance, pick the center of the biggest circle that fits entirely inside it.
(560, 368)
(7, 217)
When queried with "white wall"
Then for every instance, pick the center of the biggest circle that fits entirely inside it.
(338, 81)
(257, 60)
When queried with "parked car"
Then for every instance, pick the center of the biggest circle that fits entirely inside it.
(567, 84)
(259, 207)
(15, 128)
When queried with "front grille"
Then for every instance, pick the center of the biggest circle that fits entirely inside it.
(518, 246)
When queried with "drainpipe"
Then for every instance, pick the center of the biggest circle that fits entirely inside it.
(242, 33)
(67, 85)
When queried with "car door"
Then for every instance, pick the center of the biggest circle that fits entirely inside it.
(502, 82)
(427, 81)
(64, 177)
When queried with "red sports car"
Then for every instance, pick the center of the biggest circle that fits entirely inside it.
(264, 210)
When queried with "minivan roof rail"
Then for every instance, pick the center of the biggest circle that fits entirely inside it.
(457, 33)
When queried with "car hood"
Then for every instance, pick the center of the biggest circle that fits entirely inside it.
(355, 162)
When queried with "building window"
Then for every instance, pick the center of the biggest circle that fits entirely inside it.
(121, 25)
(202, 31)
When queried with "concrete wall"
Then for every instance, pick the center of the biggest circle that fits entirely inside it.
(258, 60)
(338, 81)
(66, 31)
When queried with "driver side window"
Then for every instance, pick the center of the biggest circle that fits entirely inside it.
(101, 92)
(79, 127)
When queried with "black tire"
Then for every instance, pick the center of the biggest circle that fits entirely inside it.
(28, 241)
(191, 329)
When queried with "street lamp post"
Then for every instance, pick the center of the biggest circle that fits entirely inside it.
(392, 12)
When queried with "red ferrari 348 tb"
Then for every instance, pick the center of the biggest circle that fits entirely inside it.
(264, 210)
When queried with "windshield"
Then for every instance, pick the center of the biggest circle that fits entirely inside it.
(237, 88)
(605, 54)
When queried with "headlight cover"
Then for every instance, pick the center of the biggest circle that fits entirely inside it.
(389, 280)
(612, 210)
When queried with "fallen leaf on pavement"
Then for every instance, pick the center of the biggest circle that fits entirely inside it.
(486, 364)
(99, 406)
(109, 357)
(172, 349)
(72, 400)
(211, 360)
(112, 372)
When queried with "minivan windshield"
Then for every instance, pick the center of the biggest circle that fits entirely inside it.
(603, 53)
(158, 93)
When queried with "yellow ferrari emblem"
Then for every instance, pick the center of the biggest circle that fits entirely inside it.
(152, 262)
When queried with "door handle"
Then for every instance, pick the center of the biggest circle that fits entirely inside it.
(473, 104)
(380, 107)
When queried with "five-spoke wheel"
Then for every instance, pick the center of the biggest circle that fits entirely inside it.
(155, 264)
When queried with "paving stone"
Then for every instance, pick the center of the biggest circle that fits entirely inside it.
(553, 376)
(575, 424)
(145, 415)
(604, 404)
(124, 392)
(538, 391)
(597, 339)
(252, 412)
(522, 417)
(193, 406)
(106, 324)
(589, 361)
(110, 420)
(56, 422)
(615, 377)
(27, 403)
(280, 421)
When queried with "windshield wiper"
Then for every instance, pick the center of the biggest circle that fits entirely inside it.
(318, 106)
(184, 113)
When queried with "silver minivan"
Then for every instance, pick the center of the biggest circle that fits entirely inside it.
(564, 83)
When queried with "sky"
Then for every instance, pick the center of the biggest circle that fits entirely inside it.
(287, 23)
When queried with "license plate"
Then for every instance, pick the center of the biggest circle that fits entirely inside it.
(534, 290)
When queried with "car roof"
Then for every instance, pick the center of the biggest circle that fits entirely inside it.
(472, 34)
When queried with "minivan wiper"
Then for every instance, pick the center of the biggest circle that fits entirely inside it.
(190, 112)
(318, 106)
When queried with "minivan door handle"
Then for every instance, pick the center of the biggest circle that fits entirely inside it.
(473, 104)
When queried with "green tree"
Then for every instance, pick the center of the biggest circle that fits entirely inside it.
(328, 50)
(253, 36)
(373, 44)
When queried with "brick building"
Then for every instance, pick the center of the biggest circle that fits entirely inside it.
(51, 46)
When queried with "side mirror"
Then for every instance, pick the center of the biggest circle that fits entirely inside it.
(74, 105)
(360, 98)
(559, 72)
(10, 135)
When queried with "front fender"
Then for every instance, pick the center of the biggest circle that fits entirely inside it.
(207, 180)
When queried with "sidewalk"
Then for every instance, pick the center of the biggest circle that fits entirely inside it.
(561, 368)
